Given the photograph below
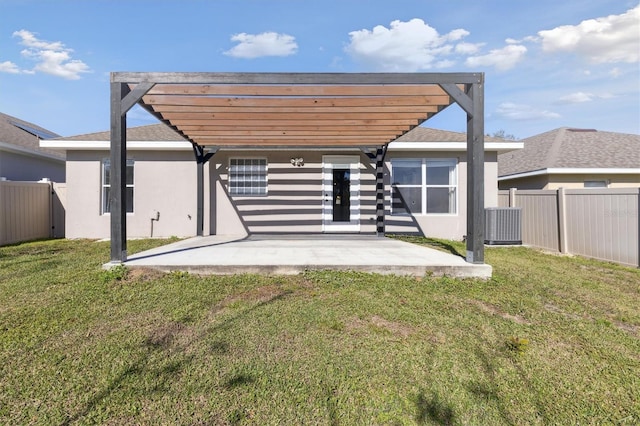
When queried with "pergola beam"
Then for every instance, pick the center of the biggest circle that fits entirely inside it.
(314, 79)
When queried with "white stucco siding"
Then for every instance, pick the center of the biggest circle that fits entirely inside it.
(446, 226)
(163, 181)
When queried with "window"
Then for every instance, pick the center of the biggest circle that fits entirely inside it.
(248, 176)
(595, 183)
(423, 186)
(106, 186)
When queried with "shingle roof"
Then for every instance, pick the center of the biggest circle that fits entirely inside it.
(152, 132)
(572, 148)
(426, 134)
(12, 134)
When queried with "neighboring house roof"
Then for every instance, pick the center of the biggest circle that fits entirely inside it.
(426, 134)
(156, 137)
(23, 137)
(425, 138)
(153, 132)
(160, 136)
(570, 150)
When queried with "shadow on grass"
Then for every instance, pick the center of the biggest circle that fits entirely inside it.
(488, 391)
(442, 245)
(433, 409)
(239, 380)
(165, 340)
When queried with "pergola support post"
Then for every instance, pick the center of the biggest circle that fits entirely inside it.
(475, 174)
(122, 100)
(117, 174)
(380, 155)
(471, 100)
(201, 160)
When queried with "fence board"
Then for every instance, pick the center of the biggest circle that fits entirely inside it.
(598, 223)
(604, 224)
(24, 211)
(539, 218)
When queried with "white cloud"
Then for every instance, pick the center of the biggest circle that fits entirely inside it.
(404, 46)
(9, 67)
(582, 97)
(609, 39)
(468, 48)
(517, 112)
(502, 59)
(576, 98)
(252, 46)
(50, 57)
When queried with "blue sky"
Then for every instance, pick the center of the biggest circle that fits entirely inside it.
(547, 64)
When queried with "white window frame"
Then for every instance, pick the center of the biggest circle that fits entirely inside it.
(233, 190)
(104, 186)
(424, 185)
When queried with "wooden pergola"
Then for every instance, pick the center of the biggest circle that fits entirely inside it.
(320, 110)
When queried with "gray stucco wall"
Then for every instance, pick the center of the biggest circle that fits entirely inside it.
(166, 182)
(163, 181)
(294, 203)
(20, 167)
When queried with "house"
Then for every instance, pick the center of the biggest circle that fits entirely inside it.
(572, 158)
(22, 158)
(274, 189)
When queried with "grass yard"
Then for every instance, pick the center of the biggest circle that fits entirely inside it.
(548, 340)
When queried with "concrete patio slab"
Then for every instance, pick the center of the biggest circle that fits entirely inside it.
(292, 254)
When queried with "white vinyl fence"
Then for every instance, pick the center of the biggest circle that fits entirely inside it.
(597, 223)
(30, 211)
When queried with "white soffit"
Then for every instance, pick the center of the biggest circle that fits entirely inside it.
(106, 145)
(452, 146)
(572, 171)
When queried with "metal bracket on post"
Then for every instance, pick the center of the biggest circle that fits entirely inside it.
(201, 160)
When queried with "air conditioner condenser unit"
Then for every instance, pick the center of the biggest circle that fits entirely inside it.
(503, 225)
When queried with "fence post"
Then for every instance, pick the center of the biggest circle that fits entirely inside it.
(562, 221)
(638, 216)
(512, 197)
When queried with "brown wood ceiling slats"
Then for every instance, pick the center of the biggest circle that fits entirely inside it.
(228, 115)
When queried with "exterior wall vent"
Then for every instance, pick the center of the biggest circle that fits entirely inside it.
(503, 225)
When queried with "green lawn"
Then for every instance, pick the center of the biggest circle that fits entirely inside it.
(548, 340)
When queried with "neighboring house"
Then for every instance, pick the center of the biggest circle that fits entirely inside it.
(572, 158)
(22, 158)
(277, 190)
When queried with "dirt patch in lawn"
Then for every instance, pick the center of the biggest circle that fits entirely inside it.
(494, 310)
(393, 327)
(164, 335)
(143, 274)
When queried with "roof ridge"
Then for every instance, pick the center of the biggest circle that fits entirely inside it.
(556, 145)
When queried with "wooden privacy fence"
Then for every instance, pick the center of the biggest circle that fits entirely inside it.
(30, 211)
(597, 223)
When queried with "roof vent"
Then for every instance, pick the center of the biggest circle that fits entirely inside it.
(582, 130)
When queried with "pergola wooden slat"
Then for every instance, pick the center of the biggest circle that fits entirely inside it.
(367, 111)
